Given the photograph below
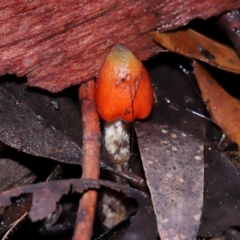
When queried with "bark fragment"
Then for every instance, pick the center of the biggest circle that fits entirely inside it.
(60, 44)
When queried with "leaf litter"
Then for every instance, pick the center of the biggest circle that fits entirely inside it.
(170, 134)
(46, 195)
(35, 122)
(171, 147)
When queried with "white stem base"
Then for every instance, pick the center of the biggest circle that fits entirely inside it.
(117, 140)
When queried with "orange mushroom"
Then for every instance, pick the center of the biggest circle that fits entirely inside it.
(123, 94)
(123, 88)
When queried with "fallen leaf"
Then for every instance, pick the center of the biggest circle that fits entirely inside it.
(171, 147)
(229, 22)
(12, 213)
(223, 108)
(195, 45)
(46, 195)
(35, 123)
(13, 173)
(221, 193)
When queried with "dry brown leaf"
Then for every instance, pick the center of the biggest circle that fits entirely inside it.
(195, 45)
(223, 108)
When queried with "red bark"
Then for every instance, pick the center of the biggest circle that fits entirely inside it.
(61, 43)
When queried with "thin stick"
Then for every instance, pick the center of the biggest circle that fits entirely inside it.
(90, 166)
(6, 235)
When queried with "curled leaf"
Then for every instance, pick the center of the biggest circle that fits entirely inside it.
(223, 108)
(195, 45)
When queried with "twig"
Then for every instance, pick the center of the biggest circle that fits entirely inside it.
(90, 165)
(6, 235)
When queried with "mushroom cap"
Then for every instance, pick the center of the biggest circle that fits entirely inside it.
(123, 87)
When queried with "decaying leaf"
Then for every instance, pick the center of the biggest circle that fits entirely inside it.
(36, 124)
(194, 45)
(12, 213)
(46, 195)
(221, 193)
(171, 147)
(13, 173)
(223, 108)
(60, 44)
(230, 24)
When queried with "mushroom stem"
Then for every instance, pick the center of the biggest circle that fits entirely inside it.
(116, 137)
(123, 93)
(117, 142)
